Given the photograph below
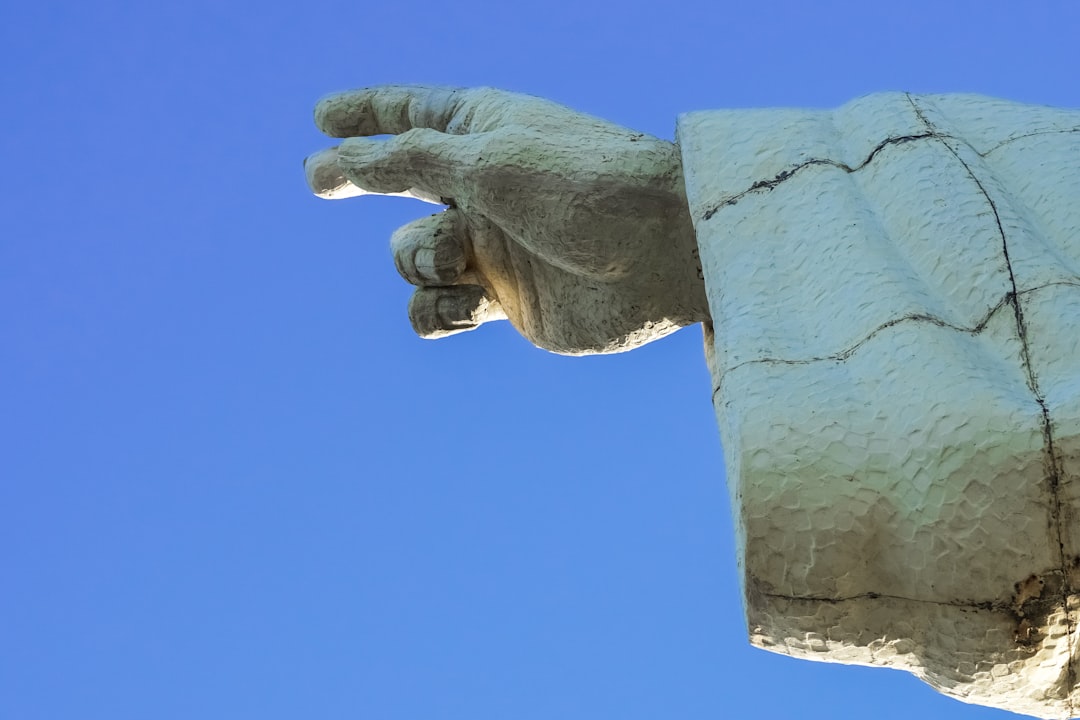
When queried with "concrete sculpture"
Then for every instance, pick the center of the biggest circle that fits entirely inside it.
(891, 294)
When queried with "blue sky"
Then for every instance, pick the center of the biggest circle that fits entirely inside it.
(232, 482)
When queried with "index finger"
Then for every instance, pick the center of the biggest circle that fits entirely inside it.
(388, 109)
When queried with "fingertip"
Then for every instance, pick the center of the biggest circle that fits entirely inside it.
(325, 177)
(332, 115)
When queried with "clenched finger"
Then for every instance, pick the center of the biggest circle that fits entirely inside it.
(432, 251)
(442, 311)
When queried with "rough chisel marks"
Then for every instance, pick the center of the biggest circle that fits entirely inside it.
(899, 429)
(1052, 461)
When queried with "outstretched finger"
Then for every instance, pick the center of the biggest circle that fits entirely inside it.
(325, 177)
(435, 164)
(328, 181)
(389, 109)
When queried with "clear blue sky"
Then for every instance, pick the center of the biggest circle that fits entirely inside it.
(233, 484)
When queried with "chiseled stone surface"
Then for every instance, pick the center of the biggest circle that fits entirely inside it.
(895, 288)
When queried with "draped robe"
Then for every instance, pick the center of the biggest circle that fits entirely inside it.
(895, 354)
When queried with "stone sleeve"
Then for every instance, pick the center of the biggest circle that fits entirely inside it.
(895, 353)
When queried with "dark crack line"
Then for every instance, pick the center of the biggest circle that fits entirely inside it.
(965, 604)
(847, 352)
(1052, 464)
(762, 186)
(1067, 283)
(1035, 133)
(767, 185)
(885, 143)
(1011, 298)
(915, 317)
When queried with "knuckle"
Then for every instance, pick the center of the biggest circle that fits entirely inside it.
(414, 142)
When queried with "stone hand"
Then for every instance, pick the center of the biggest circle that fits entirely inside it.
(575, 229)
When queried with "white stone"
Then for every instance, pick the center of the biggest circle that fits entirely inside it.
(902, 437)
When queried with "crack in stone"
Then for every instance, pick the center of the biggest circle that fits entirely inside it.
(1011, 298)
(1052, 462)
(784, 175)
(967, 604)
(1019, 608)
(1035, 133)
(847, 352)
(1067, 283)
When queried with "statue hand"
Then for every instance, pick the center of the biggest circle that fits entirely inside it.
(573, 228)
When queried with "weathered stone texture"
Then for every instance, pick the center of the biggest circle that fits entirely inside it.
(895, 288)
